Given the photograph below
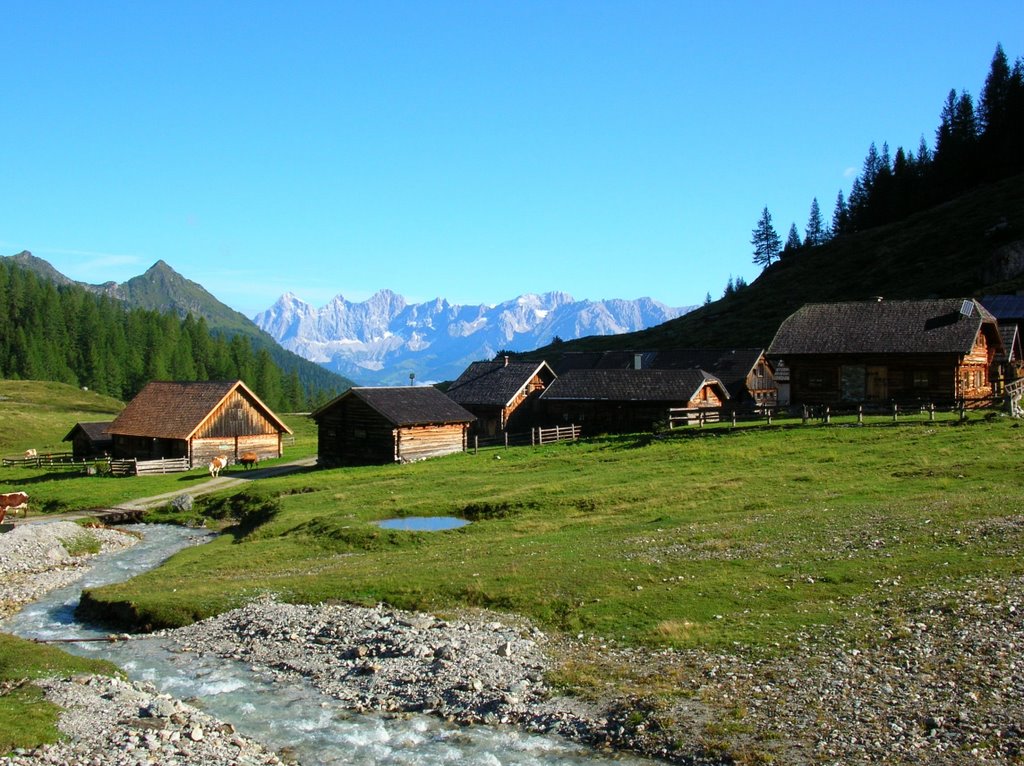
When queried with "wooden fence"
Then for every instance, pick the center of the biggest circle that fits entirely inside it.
(133, 467)
(47, 460)
(556, 434)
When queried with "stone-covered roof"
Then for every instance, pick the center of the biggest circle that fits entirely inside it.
(1011, 342)
(883, 327)
(407, 405)
(495, 383)
(630, 385)
(176, 409)
(95, 432)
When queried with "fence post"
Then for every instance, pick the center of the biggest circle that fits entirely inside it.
(931, 411)
(734, 418)
(533, 442)
(476, 443)
(769, 413)
(506, 440)
(804, 418)
(828, 415)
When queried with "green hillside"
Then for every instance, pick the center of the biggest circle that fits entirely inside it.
(971, 246)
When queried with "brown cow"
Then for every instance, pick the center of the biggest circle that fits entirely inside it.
(14, 502)
(216, 464)
(249, 459)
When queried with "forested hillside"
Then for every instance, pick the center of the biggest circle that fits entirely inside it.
(67, 334)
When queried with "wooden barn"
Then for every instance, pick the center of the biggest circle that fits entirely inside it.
(622, 401)
(746, 372)
(89, 440)
(502, 394)
(881, 351)
(198, 420)
(367, 426)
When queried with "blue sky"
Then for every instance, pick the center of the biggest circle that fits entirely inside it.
(473, 151)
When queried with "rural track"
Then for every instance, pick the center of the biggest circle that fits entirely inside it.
(211, 485)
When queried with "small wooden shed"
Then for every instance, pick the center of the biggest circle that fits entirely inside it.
(502, 393)
(881, 351)
(618, 401)
(198, 420)
(90, 440)
(400, 424)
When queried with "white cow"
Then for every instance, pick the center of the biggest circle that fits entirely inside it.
(30, 453)
(216, 464)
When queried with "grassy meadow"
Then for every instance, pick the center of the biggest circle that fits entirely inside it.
(742, 536)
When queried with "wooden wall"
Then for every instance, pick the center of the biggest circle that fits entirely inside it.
(267, 446)
(422, 442)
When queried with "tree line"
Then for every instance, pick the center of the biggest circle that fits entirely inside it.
(973, 145)
(67, 334)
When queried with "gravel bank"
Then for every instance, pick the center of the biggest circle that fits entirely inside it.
(39, 557)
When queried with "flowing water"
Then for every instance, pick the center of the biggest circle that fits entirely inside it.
(283, 715)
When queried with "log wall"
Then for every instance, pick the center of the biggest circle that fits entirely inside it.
(422, 442)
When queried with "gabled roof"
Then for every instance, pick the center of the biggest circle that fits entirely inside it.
(176, 410)
(880, 326)
(406, 405)
(495, 383)
(1011, 342)
(95, 432)
(631, 385)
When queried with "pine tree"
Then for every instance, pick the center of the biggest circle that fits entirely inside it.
(815, 234)
(841, 216)
(793, 243)
(766, 242)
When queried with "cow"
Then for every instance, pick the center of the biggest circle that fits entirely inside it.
(249, 459)
(30, 453)
(216, 464)
(14, 502)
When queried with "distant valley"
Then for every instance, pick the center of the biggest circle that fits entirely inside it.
(385, 339)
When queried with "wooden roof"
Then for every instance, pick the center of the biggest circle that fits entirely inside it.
(884, 327)
(495, 383)
(631, 385)
(406, 405)
(176, 410)
(730, 365)
(95, 432)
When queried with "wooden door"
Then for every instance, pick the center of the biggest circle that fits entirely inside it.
(878, 384)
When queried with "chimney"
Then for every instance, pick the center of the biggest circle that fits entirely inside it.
(506, 361)
(638, 361)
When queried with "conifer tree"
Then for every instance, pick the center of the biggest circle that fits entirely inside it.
(841, 216)
(815, 234)
(766, 242)
(793, 243)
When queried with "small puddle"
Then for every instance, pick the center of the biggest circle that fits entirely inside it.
(423, 523)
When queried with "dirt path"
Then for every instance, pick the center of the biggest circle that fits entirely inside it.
(226, 481)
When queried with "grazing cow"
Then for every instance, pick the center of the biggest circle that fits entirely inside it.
(249, 459)
(216, 464)
(29, 453)
(14, 501)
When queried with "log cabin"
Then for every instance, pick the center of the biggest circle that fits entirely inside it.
(746, 372)
(502, 394)
(198, 420)
(622, 401)
(89, 440)
(882, 351)
(380, 425)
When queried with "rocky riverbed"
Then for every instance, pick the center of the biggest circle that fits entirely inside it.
(935, 676)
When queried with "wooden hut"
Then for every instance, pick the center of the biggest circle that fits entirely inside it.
(502, 394)
(619, 401)
(883, 351)
(198, 420)
(89, 440)
(367, 426)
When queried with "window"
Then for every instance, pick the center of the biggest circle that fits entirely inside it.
(921, 379)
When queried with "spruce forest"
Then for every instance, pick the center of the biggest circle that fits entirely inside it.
(69, 335)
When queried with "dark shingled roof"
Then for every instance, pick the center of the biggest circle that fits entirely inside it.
(494, 383)
(882, 327)
(730, 365)
(96, 432)
(407, 405)
(176, 410)
(1005, 307)
(630, 385)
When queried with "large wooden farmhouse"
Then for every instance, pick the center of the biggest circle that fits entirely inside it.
(390, 425)
(882, 351)
(617, 401)
(502, 394)
(745, 372)
(198, 420)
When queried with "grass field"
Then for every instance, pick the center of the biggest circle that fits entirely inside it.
(743, 537)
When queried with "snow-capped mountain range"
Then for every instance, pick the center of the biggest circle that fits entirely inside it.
(380, 341)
